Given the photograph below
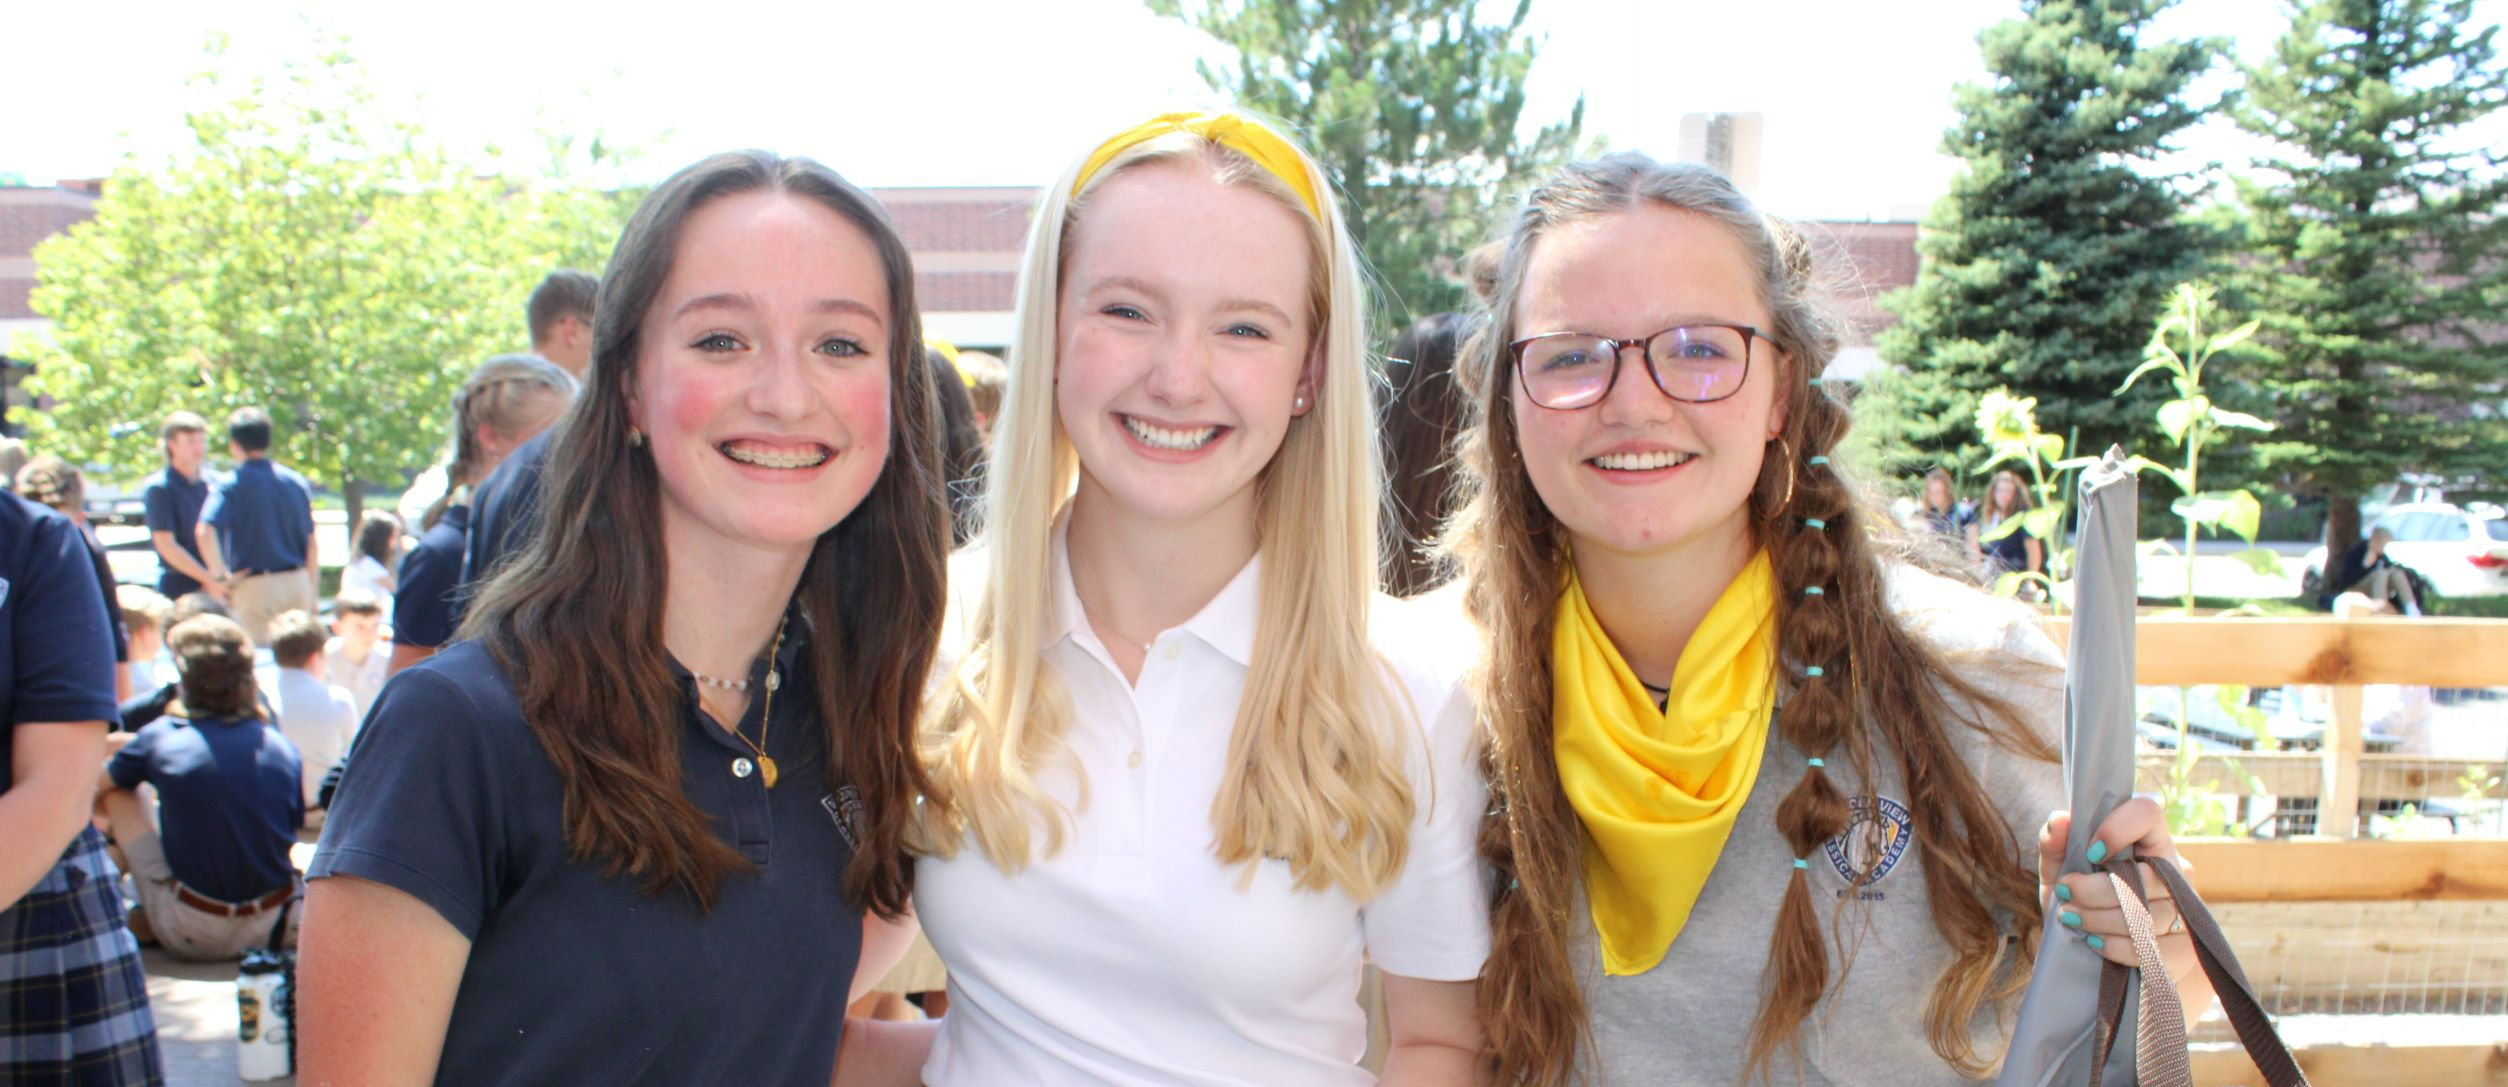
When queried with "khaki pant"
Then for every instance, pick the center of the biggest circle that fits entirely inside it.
(186, 932)
(262, 597)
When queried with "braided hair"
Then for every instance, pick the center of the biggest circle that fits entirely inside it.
(1841, 648)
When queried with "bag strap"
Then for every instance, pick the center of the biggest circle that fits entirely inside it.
(278, 929)
(2160, 1045)
(2160, 1029)
(2238, 1000)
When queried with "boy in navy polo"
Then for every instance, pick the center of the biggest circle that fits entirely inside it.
(256, 531)
(70, 973)
(213, 869)
(173, 501)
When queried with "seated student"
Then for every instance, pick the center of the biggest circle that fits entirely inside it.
(230, 793)
(356, 657)
(2367, 569)
(369, 569)
(316, 716)
(147, 615)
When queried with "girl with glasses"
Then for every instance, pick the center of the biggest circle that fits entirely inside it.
(1732, 735)
(1199, 770)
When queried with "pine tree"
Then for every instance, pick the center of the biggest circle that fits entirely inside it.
(1412, 107)
(2380, 257)
(2055, 249)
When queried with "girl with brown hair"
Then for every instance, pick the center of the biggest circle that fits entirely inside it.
(1999, 540)
(1730, 736)
(628, 831)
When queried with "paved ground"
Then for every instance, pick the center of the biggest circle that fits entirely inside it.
(195, 1005)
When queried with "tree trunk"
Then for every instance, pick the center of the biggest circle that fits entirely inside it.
(352, 493)
(2342, 527)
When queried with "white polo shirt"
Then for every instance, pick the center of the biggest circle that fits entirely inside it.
(1132, 957)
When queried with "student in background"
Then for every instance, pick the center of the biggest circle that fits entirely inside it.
(64, 945)
(212, 868)
(319, 718)
(173, 501)
(54, 482)
(372, 558)
(146, 615)
(356, 659)
(256, 531)
(506, 402)
(1418, 412)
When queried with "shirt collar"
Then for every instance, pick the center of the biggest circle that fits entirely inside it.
(1226, 624)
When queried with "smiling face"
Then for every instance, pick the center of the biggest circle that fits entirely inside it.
(762, 380)
(1184, 340)
(1638, 473)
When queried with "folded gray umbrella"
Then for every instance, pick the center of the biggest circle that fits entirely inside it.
(2051, 1040)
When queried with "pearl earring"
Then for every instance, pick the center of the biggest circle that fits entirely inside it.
(635, 437)
(1301, 403)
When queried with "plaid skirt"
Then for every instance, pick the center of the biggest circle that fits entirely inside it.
(73, 998)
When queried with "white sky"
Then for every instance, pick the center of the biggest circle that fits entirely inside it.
(976, 92)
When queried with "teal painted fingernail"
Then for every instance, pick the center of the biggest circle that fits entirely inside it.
(2098, 852)
(2070, 919)
(2063, 892)
(2097, 944)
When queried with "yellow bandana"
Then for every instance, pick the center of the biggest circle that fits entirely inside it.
(1244, 135)
(1658, 789)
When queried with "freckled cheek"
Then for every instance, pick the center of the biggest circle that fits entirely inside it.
(687, 401)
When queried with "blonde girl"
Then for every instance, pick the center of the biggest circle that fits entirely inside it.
(1763, 795)
(1199, 770)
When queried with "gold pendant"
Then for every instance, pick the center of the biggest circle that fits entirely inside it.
(766, 769)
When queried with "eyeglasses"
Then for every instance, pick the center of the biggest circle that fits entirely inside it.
(1696, 364)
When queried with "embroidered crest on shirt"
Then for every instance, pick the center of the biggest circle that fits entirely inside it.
(1878, 832)
(845, 809)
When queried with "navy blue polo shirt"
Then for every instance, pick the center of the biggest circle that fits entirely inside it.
(425, 611)
(574, 977)
(230, 794)
(56, 655)
(173, 502)
(263, 513)
(505, 508)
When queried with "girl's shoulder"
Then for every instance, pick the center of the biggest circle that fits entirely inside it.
(1959, 620)
(1427, 639)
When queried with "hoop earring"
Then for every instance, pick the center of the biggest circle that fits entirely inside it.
(1786, 452)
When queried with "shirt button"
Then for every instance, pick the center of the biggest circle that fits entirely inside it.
(1173, 650)
(1133, 760)
(742, 768)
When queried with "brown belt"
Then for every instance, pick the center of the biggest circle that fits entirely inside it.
(206, 904)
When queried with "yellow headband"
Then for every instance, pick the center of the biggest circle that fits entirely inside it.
(1247, 137)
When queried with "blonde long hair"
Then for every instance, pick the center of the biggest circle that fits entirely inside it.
(1315, 771)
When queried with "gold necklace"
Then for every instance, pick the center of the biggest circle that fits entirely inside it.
(766, 713)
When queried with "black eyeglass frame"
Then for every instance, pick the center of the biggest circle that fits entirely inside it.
(1645, 354)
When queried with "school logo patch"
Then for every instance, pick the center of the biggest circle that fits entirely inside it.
(845, 809)
(1877, 834)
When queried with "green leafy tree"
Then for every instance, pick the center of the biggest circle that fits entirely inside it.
(2380, 257)
(2047, 261)
(308, 256)
(1414, 108)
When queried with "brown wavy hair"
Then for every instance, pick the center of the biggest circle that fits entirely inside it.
(1515, 559)
(576, 619)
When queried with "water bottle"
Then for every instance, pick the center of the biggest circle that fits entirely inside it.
(264, 1029)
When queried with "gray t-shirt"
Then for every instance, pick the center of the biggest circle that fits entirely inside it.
(1687, 1021)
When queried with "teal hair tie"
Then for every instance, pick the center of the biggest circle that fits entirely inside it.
(1818, 763)
(1815, 670)
(1816, 381)
(1819, 460)
(1814, 590)
(1801, 864)
(1815, 523)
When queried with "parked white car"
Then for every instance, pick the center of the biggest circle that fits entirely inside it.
(2462, 550)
